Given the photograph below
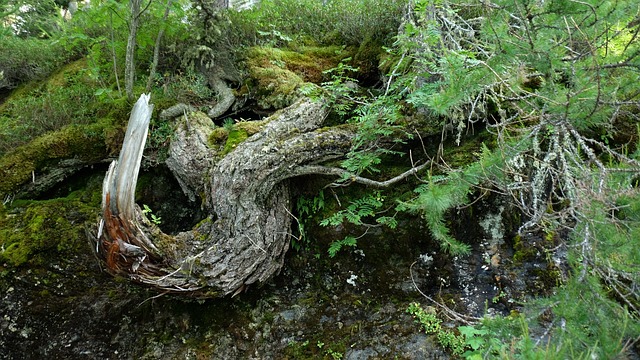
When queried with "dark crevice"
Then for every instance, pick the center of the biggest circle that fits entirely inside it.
(159, 190)
(80, 180)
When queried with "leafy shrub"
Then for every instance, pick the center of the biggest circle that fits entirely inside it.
(24, 60)
(190, 88)
(28, 19)
(550, 80)
(343, 21)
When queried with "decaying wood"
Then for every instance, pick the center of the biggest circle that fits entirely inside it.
(246, 194)
(122, 241)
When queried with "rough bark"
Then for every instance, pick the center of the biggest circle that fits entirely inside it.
(224, 94)
(246, 193)
(244, 239)
(189, 157)
(176, 110)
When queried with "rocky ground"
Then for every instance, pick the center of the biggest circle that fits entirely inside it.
(352, 306)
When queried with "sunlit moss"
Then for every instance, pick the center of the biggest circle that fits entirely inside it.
(277, 74)
(235, 137)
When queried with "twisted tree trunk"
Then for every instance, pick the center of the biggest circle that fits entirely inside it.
(245, 237)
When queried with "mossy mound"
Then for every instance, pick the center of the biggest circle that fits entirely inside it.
(367, 60)
(224, 140)
(67, 97)
(36, 232)
(277, 74)
(88, 143)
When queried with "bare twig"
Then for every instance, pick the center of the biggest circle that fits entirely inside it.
(454, 315)
(333, 171)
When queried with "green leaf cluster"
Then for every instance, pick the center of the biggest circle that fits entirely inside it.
(470, 342)
(368, 206)
(307, 208)
(357, 210)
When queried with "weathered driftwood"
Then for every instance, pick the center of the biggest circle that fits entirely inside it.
(122, 242)
(246, 193)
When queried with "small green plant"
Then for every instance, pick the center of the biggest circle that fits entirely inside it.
(470, 343)
(498, 297)
(336, 246)
(306, 209)
(449, 340)
(429, 321)
(342, 88)
(335, 355)
(474, 340)
(357, 210)
(228, 124)
(273, 37)
(367, 206)
(146, 210)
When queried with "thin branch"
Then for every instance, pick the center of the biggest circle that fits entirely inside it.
(333, 171)
(465, 319)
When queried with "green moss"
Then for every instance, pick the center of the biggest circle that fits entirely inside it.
(65, 99)
(523, 251)
(39, 230)
(277, 74)
(547, 279)
(235, 137)
(63, 77)
(367, 60)
(68, 73)
(251, 127)
(217, 137)
(225, 141)
(86, 143)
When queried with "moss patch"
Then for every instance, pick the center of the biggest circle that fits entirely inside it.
(367, 60)
(36, 232)
(277, 74)
(68, 97)
(86, 143)
(63, 76)
(235, 137)
(218, 137)
(225, 141)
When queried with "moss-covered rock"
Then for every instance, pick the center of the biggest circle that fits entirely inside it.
(277, 74)
(87, 143)
(37, 232)
(367, 60)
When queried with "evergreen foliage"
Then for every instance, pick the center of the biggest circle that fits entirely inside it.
(551, 80)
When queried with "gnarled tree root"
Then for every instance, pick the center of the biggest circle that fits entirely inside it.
(246, 194)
